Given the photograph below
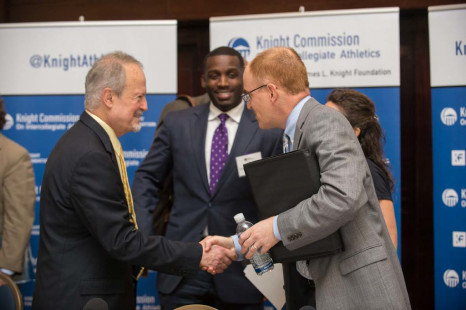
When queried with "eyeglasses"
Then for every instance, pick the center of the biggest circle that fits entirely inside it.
(247, 96)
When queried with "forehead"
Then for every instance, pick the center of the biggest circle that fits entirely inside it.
(134, 75)
(222, 62)
(333, 105)
(248, 80)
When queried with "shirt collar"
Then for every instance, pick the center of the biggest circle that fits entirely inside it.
(113, 138)
(234, 114)
(292, 119)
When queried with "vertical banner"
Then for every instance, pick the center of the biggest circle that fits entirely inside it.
(346, 48)
(447, 37)
(42, 82)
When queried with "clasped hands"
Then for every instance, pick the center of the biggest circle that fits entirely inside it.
(219, 252)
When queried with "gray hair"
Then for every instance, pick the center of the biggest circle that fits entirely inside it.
(109, 72)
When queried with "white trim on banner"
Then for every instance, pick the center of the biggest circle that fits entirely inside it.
(304, 14)
(446, 7)
(341, 48)
(447, 41)
(91, 24)
(54, 58)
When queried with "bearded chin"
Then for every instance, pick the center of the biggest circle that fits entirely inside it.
(136, 128)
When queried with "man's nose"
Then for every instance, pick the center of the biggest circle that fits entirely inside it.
(223, 81)
(144, 104)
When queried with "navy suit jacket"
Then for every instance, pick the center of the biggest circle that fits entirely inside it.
(87, 244)
(180, 147)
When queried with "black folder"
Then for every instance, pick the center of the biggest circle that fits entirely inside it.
(279, 183)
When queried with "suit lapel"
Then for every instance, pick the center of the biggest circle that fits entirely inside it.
(198, 129)
(100, 132)
(247, 129)
(305, 111)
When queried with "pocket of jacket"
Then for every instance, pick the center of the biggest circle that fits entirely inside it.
(362, 259)
(101, 286)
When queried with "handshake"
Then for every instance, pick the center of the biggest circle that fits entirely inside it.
(217, 253)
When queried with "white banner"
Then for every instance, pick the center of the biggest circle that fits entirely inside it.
(53, 58)
(447, 39)
(350, 48)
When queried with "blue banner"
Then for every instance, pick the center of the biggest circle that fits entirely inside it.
(449, 147)
(447, 35)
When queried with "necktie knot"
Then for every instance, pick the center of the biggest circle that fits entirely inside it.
(223, 117)
(286, 143)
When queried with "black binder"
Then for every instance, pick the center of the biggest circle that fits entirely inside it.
(279, 183)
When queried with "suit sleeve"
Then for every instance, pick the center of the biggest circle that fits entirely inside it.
(149, 179)
(98, 196)
(19, 200)
(341, 195)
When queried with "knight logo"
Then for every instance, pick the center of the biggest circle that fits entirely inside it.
(451, 278)
(450, 197)
(241, 45)
(9, 122)
(448, 116)
(459, 239)
(458, 158)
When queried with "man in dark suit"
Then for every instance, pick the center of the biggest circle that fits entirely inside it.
(367, 274)
(89, 237)
(207, 194)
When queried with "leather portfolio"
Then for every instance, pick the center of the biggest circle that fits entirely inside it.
(279, 183)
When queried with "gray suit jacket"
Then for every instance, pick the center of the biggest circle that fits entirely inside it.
(367, 274)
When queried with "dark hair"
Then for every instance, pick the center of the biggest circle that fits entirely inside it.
(223, 50)
(360, 112)
(2, 114)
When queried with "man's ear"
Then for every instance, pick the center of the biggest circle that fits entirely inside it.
(107, 97)
(203, 81)
(273, 92)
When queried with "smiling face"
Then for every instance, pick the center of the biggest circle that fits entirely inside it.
(223, 78)
(128, 108)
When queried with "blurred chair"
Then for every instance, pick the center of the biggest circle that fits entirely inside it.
(10, 295)
(195, 307)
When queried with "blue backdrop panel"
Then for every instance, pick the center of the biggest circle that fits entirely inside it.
(38, 122)
(449, 145)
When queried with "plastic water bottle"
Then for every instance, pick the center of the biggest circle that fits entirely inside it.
(261, 262)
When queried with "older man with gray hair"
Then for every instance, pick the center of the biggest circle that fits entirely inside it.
(90, 246)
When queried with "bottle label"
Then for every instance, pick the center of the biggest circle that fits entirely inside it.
(262, 269)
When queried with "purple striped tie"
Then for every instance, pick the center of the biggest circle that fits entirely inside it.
(219, 152)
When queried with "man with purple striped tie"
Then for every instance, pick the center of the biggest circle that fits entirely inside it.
(205, 147)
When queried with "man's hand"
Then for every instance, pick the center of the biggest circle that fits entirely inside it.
(217, 259)
(209, 241)
(259, 236)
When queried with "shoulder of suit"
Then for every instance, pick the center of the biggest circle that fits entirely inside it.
(11, 146)
(188, 112)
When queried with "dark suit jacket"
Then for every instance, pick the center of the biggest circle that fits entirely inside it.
(87, 244)
(180, 147)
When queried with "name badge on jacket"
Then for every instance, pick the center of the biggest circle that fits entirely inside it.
(242, 160)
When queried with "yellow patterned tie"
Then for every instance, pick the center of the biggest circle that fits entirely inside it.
(129, 197)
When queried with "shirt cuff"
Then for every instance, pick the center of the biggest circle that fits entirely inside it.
(276, 232)
(237, 248)
(7, 271)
